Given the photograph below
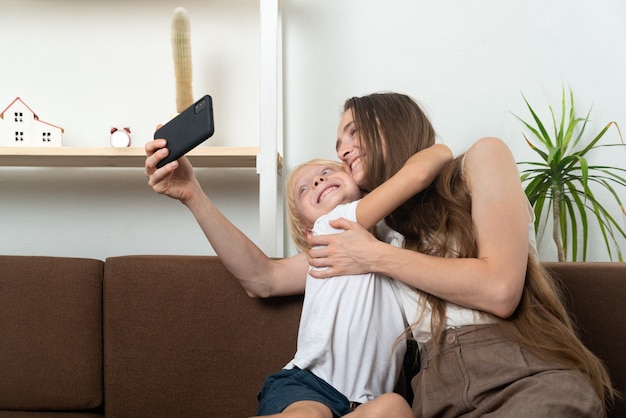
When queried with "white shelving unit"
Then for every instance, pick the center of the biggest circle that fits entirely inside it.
(266, 158)
(271, 129)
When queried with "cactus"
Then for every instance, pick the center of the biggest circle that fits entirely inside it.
(181, 50)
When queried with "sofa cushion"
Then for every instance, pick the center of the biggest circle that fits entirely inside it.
(182, 338)
(50, 333)
(595, 293)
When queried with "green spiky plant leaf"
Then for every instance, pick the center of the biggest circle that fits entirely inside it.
(563, 184)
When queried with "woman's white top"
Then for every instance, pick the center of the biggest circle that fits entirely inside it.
(419, 313)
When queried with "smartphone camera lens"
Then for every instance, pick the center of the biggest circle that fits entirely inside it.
(199, 106)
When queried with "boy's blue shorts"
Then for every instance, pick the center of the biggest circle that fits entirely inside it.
(292, 385)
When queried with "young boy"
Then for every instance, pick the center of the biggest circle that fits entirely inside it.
(349, 342)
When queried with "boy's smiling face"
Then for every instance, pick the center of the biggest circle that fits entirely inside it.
(319, 188)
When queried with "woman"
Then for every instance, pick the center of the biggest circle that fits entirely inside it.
(466, 242)
(494, 219)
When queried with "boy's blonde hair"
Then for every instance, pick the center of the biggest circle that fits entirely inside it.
(295, 223)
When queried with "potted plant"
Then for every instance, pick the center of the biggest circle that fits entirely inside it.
(563, 183)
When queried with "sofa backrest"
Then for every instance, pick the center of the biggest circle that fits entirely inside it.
(182, 338)
(178, 336)
(596, 294)
(50, 333)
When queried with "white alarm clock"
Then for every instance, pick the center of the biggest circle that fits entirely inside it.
(120, 136)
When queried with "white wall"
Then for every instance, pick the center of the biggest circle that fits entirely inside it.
(466, 61)
(88, 65)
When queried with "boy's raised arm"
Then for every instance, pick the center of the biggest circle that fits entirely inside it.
(418, 172)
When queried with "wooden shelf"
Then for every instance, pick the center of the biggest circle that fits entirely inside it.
(241, 157)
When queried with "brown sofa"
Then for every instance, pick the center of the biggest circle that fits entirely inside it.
(176, 336)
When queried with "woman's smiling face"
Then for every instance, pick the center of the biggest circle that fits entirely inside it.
(350, 150)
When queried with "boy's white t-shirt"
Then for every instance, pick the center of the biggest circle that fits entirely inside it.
(350, 327)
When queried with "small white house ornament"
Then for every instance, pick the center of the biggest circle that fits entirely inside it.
(120, 136)
(23, 128)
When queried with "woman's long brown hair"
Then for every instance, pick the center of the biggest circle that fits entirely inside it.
(439, 222)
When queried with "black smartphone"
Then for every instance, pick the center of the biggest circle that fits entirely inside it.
(187, 130)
